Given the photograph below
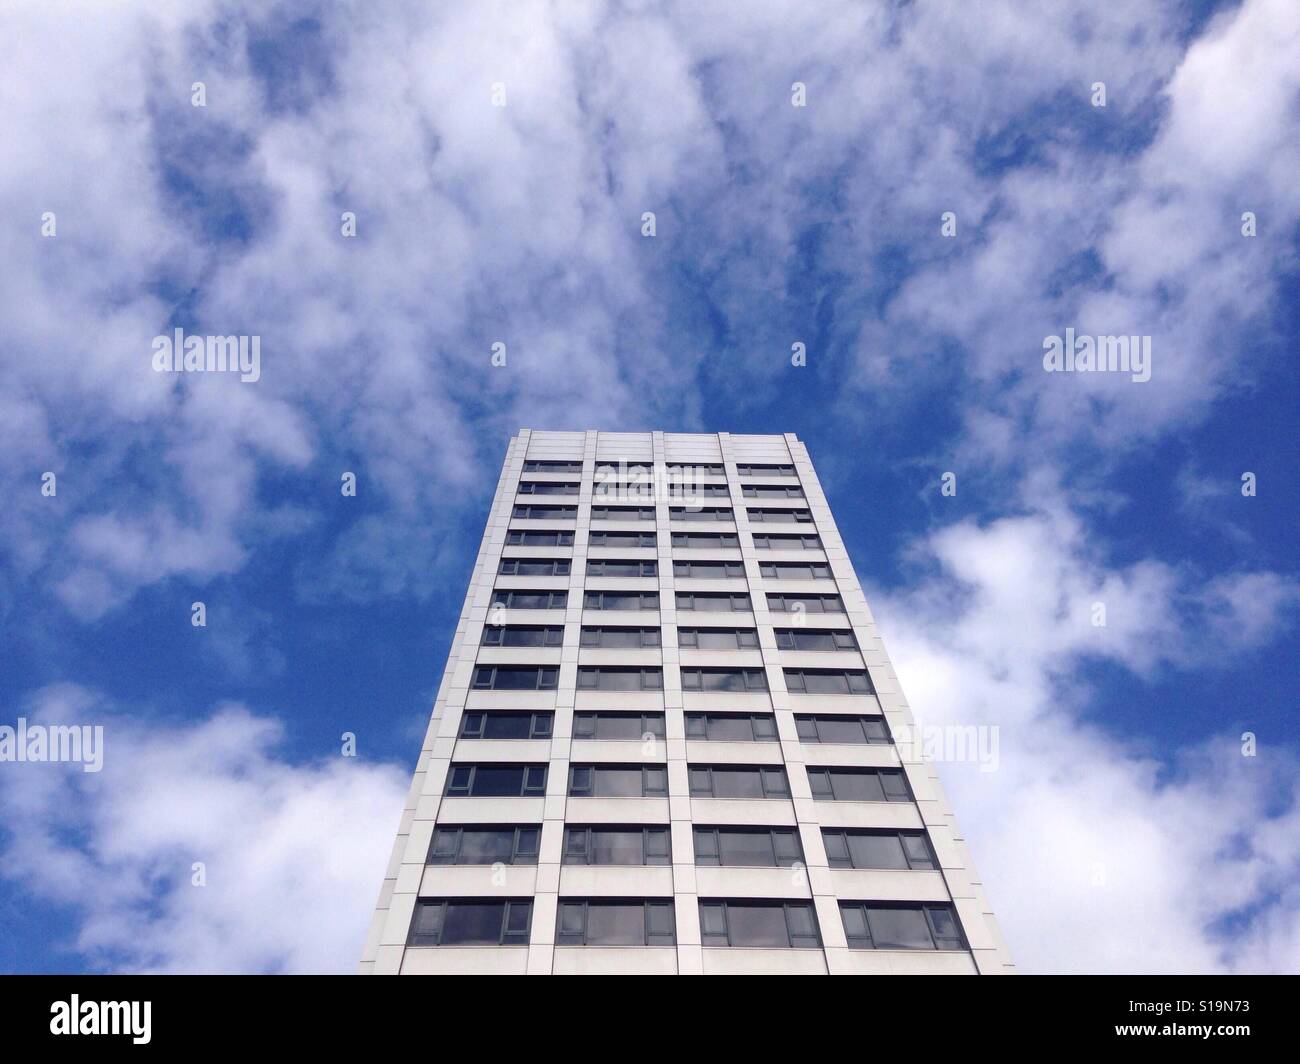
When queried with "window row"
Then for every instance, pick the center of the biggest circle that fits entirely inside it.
(606, 780)
(716, 469)
(748, 923)
(713, 727)
(699, 570)
(535, 635)
(641, 845)
(561, 512)
(650, 678)
(691, 540)
(699, 601)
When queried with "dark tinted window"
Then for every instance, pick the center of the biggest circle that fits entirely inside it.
(485, 845)
(805, 604)
(873, 925)
(530, 600)
(827, 681)
(523, 635)
(534, 567)
(618, 726)
(748, 847)
(718, 638)
(538, 538)
(701, 679)
(618, 781)
(771, 924)
(738, 781)
(515, 678)
(616, 845)
(471, 922)
(817, 639)
(731, 727)
(503, 724)
(713, 601)
(847, 848)
(605, 636)
(611, 922)
(493, 780)
(833, 729)
(858, 784)
(611, 567)
(548, 465)
(619, 678)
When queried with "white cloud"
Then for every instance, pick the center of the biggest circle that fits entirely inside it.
(1101, 852)
(293, 853)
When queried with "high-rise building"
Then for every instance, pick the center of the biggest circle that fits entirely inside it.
(668, 738)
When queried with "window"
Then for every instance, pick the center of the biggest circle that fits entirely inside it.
(717, 638)
(858, 785)
(523, 635)
(621, 539)
(696, 469)
(705, 540)
(621, 600)
(546, 465)
(768, 541)
(738, 781)
(545, 487)
(805, 604)
(773, 924)
(505, 725)
(616, 922)
(530, 600)
(749, 470)
(632, 471)
(539, 538)
(699, 491)
(471, 922)
(765, 491)
(619, 678)
(731, 727)
(493, 780)
(546, 513)
(609, 567)
(828, 729)
(714, 601)
(609, 725)
(815, 639)
(486, 844)
(748, 847)
(700, 513)
(618, 781)
(616, 846)
(795, 570)
(594, 636)
(615, 489)
(724, 680)
(534, 567)
(761, 516)
(515, 678)
(827, 681)
(709, 570)
(622, 513)
(878, 849)
(879, 925)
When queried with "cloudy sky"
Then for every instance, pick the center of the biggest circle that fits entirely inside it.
(1124, 829)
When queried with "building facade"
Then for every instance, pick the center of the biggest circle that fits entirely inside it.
(667, 739)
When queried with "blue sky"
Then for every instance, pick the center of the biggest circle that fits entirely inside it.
(1124, 829)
